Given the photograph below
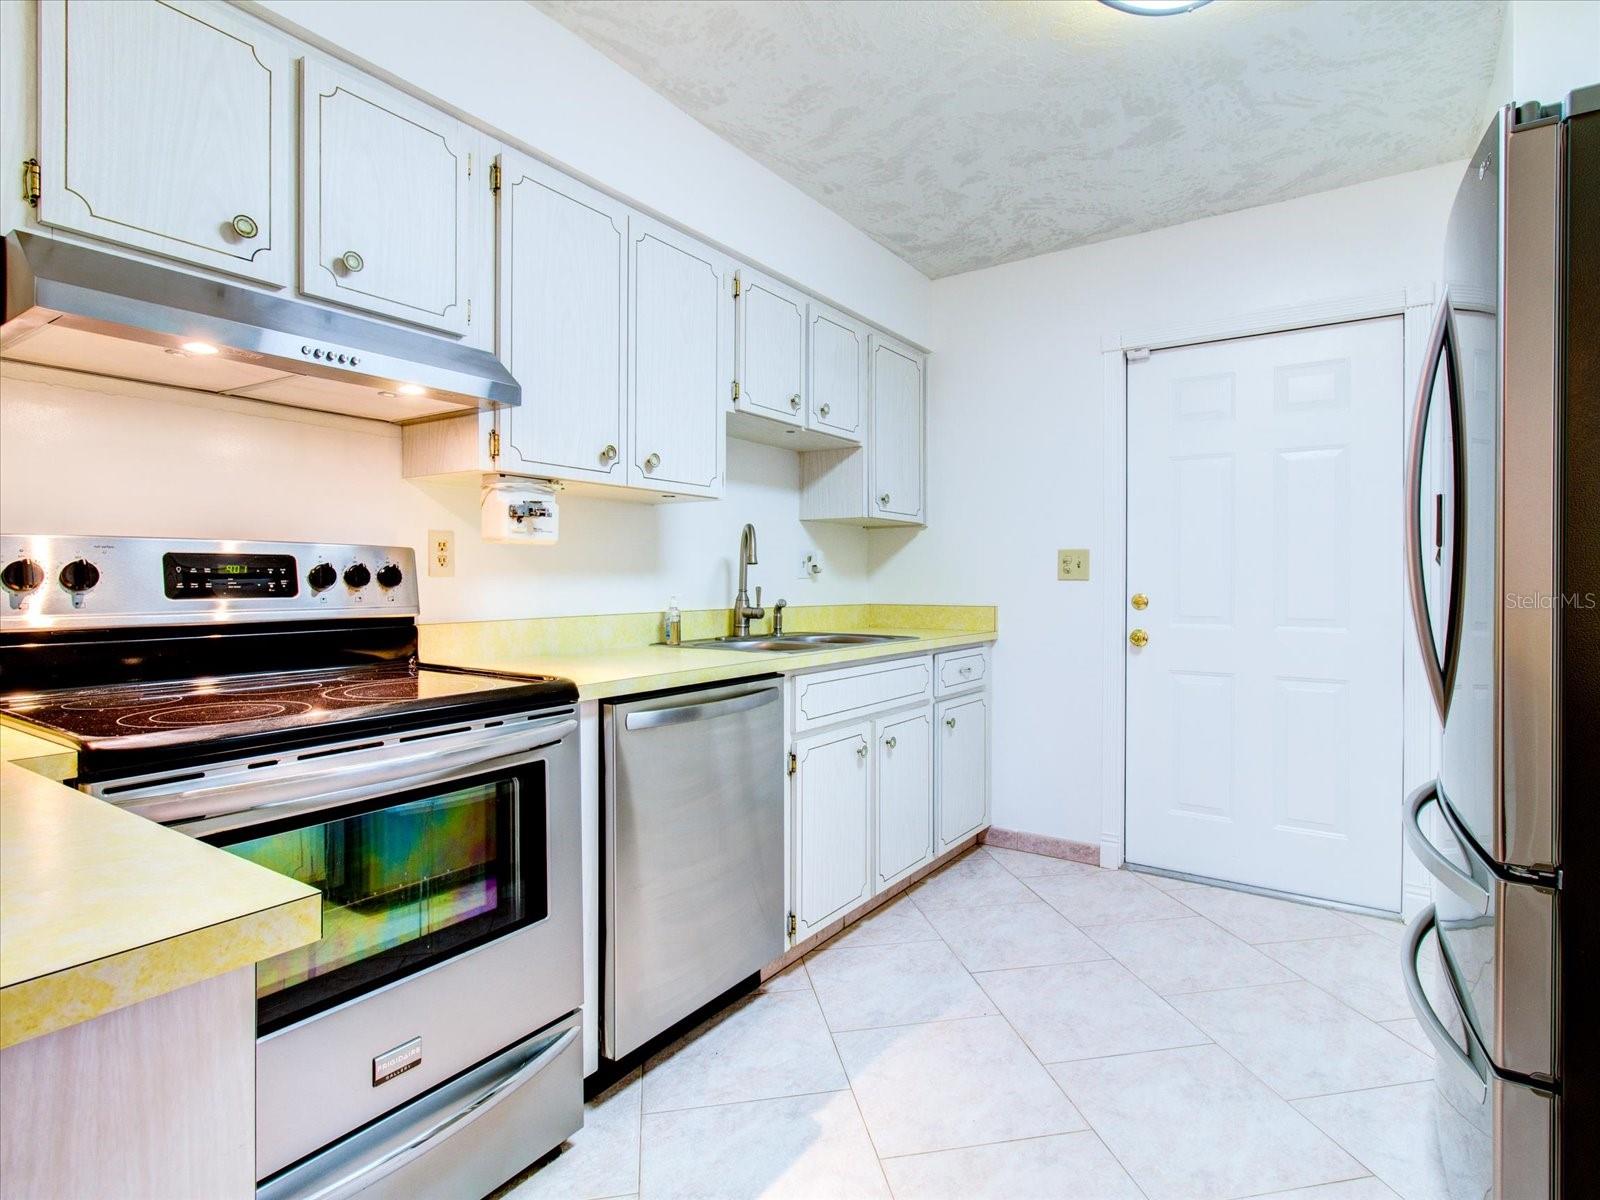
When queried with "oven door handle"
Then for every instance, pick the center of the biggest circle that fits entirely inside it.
(367, 1173)
(250, 799)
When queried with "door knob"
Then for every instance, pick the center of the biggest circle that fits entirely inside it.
(1139, 639)
(245, 226)
(352, 261)
(1140, 601)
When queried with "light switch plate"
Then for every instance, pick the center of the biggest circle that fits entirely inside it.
(441, 552)
(1072, 564)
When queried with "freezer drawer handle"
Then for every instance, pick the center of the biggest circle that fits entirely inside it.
(368, 1173)
(1424, 924)
(655, 718)
(1441, 868)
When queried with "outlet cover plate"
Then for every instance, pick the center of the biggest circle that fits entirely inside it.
(441, 552)
(1072, 564)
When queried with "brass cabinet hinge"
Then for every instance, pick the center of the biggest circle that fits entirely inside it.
(469, 164)
(30, 181)
(494, 178)
(792, 925)
(794, 762)
(738, 287)
(469, 310)
(735, 389)
(494, 444)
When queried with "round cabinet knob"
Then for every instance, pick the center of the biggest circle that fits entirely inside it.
(608, 453)
(883, 500)
(794, 402)
(352, 261)
(1140, 601)
(357, 575)
(1138, 639)
(651, 463)
(889, 743)
(21, 575)
(245, 226)
(79, 575)
(949, 722)
(322, 576)
(824, 410)
(389, 575)
(861, 750)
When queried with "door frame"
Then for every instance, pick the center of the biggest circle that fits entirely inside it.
(1414, 303)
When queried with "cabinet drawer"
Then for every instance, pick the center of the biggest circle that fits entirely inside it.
(830, 696)
(958, 670)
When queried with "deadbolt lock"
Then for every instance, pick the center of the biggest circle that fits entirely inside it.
(1140, 601)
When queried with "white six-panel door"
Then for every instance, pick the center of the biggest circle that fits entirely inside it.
(1264, 717)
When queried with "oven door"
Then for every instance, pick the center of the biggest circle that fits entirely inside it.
(451, 918)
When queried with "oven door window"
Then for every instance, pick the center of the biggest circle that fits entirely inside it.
(407, 881)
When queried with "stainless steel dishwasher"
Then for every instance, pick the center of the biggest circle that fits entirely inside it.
(692, 856)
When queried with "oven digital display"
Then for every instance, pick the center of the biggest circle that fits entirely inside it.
(208, 576)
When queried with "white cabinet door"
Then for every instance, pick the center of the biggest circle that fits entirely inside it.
(166, 127)
(563, 283)
(679, 368)
(832, 825)
(838, 356)
(896, 442)
(770, 362)
(963, 768)
(904, 794)
(383, 201)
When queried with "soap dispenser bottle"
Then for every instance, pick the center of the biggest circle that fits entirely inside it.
(672, 624)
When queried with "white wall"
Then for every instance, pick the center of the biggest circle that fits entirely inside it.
(85, 455)
(509, 67)
(1554, 47)
(1015, 441)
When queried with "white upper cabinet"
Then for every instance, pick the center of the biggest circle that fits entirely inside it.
(680, 315)
(384, 202)
(166, 127)
(895, 493)
(770, 362)
(838, 358)
(563, 286)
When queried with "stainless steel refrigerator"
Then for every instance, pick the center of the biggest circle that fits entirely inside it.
(1503, 538)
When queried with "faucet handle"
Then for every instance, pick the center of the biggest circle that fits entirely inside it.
(758, 595)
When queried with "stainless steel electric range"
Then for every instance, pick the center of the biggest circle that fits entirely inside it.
(266, 698)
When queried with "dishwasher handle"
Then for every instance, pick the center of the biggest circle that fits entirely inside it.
(706, 710)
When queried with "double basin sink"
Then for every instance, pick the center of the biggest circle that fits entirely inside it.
(767, 643)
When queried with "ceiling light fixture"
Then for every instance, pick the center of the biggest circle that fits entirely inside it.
(1155, 8)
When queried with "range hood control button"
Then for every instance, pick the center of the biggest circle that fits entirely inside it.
(322, 576)
(390, 575)
(79, 575)
(357, 575)
(22, 575)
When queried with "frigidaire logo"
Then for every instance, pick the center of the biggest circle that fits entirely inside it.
(1547, 600)
(397, 1061)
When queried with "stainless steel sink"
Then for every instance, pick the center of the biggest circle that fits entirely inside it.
(794, 641)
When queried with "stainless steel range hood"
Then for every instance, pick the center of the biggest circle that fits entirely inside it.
(90, 310)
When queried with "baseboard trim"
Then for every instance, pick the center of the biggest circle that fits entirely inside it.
(1038, 843)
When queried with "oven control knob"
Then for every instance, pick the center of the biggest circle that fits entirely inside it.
(79, 575)
(322, 576)
(357, 575)
(389, 575)
(21, 575)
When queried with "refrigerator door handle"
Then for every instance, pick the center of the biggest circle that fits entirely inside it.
(1445, 1045)
(1461, 882)
(1439, 667)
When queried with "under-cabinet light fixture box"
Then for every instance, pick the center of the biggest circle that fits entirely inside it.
(1072, 564)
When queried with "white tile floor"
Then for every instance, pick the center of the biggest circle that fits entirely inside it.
(1021, 1027)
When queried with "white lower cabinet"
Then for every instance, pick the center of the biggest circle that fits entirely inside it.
(961, 764)
(904, 807)
(832, 825)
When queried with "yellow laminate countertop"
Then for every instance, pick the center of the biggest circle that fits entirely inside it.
(604, 674)
(100, 909)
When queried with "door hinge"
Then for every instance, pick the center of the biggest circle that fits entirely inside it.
(735, 389)
(30, 181)
(469, 310)
(494, 444)
(794, 762)
(469, 164)
(494, 178)
(738, 287)
(1139, 355)
(792, 925)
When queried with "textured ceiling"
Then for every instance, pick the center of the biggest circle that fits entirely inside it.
(964, 133)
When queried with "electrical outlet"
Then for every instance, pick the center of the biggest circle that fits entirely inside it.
(1072, 564)
(441, 552)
